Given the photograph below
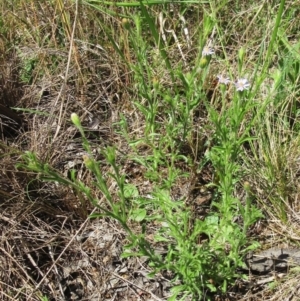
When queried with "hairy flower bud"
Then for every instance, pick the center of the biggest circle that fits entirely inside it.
(125, 23)
(203, 62)
(76, 120)
(89, 163)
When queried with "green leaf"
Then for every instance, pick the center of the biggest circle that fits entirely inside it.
(130, 191)
(159, 238)
(138, 215)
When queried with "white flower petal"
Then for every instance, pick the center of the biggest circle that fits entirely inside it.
(242, 84)
(207, 51)
(223, 80)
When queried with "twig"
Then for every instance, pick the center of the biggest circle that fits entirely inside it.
(62, 89)
(138, 287)
(60, 255)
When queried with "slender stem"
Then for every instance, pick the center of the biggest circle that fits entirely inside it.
(271, 44)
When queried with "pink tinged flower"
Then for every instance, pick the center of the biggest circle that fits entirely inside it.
(242, 84)
(223, 79)
(207, 51)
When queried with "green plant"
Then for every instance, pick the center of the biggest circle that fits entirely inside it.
(181, 124)
(198, 265)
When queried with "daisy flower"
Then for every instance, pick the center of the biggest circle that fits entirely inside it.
(207, 51)
(242, 84)
(223, 79)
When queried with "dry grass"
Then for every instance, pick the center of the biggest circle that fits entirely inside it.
(49, 246)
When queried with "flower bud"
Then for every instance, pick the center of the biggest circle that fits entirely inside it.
(241, 57)
(241, 54)
(125, 23)
(155, 82)
(76, 120)
(89, 163)
(203, 62)
(247, 186)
